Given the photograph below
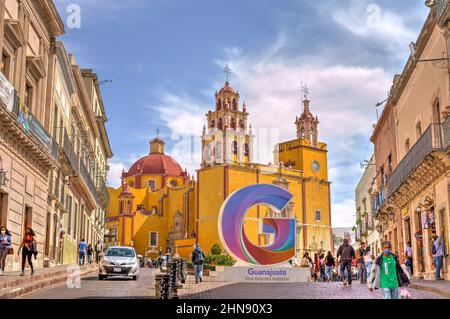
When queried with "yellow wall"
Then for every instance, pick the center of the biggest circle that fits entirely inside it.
(209, 194)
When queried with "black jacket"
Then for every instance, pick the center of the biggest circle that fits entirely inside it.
(347, 252)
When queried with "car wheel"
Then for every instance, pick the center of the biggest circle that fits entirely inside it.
(135, 278)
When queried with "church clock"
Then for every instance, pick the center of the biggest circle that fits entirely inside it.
(315, 166)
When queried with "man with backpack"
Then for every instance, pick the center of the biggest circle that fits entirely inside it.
(345, 255)
(198, 258)
(438, 254)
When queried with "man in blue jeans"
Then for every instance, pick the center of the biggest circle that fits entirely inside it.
(345, 255)
(438, 255)
(198, 258)
(82, 248)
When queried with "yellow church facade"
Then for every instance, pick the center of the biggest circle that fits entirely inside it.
(160, 207)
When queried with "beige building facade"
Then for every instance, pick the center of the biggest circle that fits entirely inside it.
(365, 220)
(53, 142)
(417, 189)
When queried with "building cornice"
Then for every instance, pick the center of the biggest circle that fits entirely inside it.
(422, 41)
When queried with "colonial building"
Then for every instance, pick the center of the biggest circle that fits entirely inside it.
(155, 205)
(159, 206)
(27, 151)
(365, 220)
(416, 190)
(53, 144)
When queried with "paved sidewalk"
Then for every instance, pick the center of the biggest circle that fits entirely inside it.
(13, 285)
(248, 291)
(440, 287)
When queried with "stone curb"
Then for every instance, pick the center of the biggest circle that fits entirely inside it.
(45, 281)
(438, 291)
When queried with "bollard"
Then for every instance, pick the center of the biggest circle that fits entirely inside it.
(173, 280)
(183, 271)
(162, 286)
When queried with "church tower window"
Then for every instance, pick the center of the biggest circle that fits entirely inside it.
(235, 147)
(220, 124)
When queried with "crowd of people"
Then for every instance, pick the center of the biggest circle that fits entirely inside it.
(86, 250)
(378, 272)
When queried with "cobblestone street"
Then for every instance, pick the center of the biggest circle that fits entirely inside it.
(91, 287)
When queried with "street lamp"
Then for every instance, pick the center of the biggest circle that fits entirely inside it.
(413, 50)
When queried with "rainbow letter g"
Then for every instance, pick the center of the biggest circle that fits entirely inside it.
(231, 225)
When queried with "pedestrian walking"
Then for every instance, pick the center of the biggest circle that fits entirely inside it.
(5, 246)
(329, 265)
(98, 251)
(409, 257)
(323, 276)
(438, 254)
(368, 261)
(198, 258)
(362, 273)
(306, 261)
(90, 252)
(345, 255)
(29, 248)
(82, 250)
(387, 274)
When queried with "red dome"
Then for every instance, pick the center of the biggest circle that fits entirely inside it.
(227, 89)
(156, 164)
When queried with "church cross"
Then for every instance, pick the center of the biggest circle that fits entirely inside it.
(305, 91)
(227, 71)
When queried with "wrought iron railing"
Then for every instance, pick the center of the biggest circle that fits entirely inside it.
(102, 189)
(441, 5)
(70, 152)
(432, 139)
(87, 178)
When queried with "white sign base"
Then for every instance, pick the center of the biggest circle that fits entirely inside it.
(260, 274)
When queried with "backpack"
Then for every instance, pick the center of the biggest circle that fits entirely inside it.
(199, 258)
(434, 249)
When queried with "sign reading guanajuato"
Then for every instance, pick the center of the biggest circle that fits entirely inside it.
(232, 231)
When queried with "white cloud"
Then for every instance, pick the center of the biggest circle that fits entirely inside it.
(115, 173)
(376, 23)
(343, 214)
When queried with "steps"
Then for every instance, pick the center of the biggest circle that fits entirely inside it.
(13, 286)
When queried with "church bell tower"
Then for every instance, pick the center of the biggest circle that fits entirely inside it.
(227, 139)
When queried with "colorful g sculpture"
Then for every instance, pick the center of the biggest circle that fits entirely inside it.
(232, 232)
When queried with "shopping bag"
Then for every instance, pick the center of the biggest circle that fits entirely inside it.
(405, 294)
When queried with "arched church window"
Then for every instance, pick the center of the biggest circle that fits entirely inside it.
(213, 123)
(246, 150)
(235, 105)
(241, 124)
(233, 123)
(235, 147)
(219, 104)
(220, 124)
(302, 133)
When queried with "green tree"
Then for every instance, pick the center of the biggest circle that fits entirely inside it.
(216, 250)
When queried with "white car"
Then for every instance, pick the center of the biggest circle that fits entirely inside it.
(119, 261)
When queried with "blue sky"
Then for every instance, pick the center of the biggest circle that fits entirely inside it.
(167, 57)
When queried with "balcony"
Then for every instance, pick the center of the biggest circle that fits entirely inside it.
(87, 178)
(431, 140)
(441, 7)
(70, 152)
(103, 193)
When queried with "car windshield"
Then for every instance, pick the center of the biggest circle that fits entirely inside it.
(119, 252)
